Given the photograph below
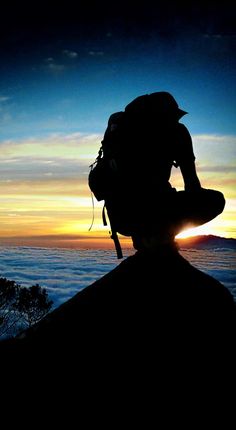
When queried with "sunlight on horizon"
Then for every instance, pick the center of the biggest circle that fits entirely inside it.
(205, 229)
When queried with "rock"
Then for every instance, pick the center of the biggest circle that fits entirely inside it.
(153, 331)
(157, 302)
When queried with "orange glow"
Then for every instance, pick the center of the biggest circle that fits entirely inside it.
(45, 199)
(201, 230)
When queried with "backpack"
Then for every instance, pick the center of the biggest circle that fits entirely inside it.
(105, 177)
(109, 177)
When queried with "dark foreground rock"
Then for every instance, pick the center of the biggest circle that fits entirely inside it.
(155, 331)
(157, 303)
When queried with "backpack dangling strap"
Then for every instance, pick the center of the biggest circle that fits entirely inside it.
(104, 215)
(114, 235)
(93, 213)
(117, 244)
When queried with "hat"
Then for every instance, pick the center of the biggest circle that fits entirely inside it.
(163, 101)
(181, 112)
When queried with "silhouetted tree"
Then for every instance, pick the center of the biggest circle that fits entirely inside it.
(21, 307)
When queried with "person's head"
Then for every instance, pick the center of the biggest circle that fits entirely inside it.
(164, 103)
(160, 103)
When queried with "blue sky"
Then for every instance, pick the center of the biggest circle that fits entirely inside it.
(65, 72)
(67, 87)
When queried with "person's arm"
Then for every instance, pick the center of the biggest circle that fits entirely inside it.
(186, 160)
(191, 180)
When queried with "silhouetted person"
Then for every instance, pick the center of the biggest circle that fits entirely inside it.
(154, 211)
(154, 316)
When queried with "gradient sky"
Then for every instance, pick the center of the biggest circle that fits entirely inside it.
(64, 72)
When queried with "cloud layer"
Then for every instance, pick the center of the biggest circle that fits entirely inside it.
(62, 272)
(65, 272)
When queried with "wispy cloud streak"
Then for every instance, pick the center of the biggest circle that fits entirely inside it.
(44, 181)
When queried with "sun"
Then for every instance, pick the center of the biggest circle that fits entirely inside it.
(195, 231)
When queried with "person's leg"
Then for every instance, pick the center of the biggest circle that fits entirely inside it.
(176, 212)
(197, 208)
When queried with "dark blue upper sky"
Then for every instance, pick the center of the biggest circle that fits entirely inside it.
(67, 68)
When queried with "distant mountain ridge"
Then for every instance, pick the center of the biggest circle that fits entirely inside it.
(207, 241)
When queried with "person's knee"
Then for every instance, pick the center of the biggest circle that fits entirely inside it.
(220, 201)
(215, 201)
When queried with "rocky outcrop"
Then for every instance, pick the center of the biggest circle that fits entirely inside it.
(153, 302)
(155, 336)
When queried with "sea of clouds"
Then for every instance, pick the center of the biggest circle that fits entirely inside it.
(64, 272)
(217, 262)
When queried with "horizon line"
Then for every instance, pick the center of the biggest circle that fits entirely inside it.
(78, 242)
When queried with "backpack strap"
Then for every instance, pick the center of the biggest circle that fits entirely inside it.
(114, 235)
(117, 244)
(104, 215)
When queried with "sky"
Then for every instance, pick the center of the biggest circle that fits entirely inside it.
(64, 71)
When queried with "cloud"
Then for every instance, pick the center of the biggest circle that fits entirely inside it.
(70, 54)
(44, 182)
(44, 186)
(56, 68)
(96, 53)
(57, 155)
(215, 153)
(69, 155)
(64, 272)
(217, 168)
(212, 147)
(214, 138)
(4, 99)
(215, 159)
